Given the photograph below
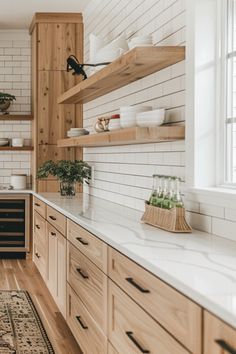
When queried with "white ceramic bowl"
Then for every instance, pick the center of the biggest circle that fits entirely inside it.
(128, 115)
(151, 119)
(17, 142)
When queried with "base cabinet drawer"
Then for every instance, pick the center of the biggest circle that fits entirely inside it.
(39, 227)
(39, 206)
(90, 284)
(177, 314)
(88, 335)
(219, 338)
(88, 244)
(132, 330)
(56, 219)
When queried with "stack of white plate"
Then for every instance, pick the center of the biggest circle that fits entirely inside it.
(128, 115)
(151, 119)
(4, 141)
(74, 132)
(140, 41)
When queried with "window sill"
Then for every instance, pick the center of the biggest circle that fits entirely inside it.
(220, 195)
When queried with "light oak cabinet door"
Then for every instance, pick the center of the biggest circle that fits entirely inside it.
(40, 249)
(89, 283)
(176, 313)
(219, 338)
(56, 41)
(53, 119)
(57, 267)
(133, 331)
(52, 260)
(87, 333)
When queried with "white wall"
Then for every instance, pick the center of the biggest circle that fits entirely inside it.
(123, 174)
(15, 79)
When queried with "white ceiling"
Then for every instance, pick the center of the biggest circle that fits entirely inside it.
(17, 14)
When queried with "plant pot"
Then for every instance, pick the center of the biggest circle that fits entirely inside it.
(4, 105)
(68, 189)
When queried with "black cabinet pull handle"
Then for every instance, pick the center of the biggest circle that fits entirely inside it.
(130, 335)
(37, 255)
(53, 233)
(37, 227)
(132, 282)
(225, 346)
(37, 204)
(85, 243)
(52, 217)
(81, 273)
(80, 322)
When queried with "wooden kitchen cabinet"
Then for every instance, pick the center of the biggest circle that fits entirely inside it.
(55, 36)
(40, 249)
(56, 41)
(132, 330)
(85, 330)
(219, 338)
(56, 281)
(180, 316)
(54, 120)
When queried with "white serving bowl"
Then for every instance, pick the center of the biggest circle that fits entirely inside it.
(151, 119)
(128, 115)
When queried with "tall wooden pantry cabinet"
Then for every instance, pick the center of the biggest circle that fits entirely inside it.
(55, 36)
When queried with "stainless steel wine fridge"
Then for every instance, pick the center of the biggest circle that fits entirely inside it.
(14, 225)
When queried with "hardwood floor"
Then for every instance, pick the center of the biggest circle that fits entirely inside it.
(23, 275)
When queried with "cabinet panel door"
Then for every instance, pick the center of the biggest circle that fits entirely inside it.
(52, 261)
(53, 119)
(219, 338)
(56, 41)
(61, 274)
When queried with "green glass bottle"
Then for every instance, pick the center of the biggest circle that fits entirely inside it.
(168, 194)
(177, 199)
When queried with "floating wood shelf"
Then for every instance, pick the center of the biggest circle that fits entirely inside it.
(127, 136)
(16, 117)
(132, 66)
(15, 148)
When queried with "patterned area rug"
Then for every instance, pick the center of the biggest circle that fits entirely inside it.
(21, 330)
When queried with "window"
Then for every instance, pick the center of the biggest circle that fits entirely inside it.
(230, 102)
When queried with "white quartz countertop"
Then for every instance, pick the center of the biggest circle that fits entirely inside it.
(201, 266)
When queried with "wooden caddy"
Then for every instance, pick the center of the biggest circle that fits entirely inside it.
(172, 220)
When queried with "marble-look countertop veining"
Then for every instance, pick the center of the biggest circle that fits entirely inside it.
(200, 265)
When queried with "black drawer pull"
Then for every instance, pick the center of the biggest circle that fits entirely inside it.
(52, 217)
(130, 335)
(53, 233)
(80, 322)
(132, 282)
(85, 243)
(37, 255)
(37, 227)
(37, 204)
(81, 273)
(225, 346)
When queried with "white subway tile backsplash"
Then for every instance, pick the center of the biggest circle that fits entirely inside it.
(15, 79)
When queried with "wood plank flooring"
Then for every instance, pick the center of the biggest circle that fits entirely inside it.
(23, 275)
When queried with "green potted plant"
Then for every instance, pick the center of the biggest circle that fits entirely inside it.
(68, 173)
(5, 101)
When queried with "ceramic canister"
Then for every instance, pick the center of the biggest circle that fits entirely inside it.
(18, 181)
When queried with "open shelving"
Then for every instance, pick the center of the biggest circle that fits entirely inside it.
(132, 66)
(15, 148)
(127, 136)
(19, 117)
